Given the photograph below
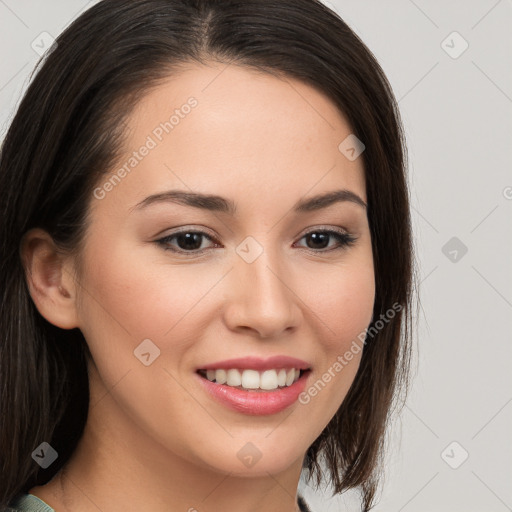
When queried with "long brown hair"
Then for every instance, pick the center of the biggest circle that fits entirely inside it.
(68, 130)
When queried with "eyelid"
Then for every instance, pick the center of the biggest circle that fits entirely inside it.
(349, 238)
(330, 230)
(323, 227)
(162, 241)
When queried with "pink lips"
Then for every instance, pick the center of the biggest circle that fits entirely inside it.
(255, 363)
(256, 402)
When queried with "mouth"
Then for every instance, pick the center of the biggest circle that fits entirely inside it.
(255, 386)
(253, 380)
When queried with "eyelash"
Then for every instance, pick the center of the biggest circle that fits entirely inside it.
(344, 240)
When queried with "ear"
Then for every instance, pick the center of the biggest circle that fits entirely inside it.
(49, 278)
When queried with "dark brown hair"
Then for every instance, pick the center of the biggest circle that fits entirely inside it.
(68, 131)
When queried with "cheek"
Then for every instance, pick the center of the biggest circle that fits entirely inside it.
(127, 302)
(344, 312)
(354, 314)
(352, 310)
(130, 294)
(131, 298)
(342, 297)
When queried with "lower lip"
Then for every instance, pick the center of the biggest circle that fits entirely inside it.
(256, 403)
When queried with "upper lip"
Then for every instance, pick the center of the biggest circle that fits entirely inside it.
(257, 363)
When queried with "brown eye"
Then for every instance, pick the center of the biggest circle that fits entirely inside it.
(186, 241)
(319, 240)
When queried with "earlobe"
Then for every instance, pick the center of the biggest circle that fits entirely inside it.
(48, 279)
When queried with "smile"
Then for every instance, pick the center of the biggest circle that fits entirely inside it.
(255, 386)
(252, 379)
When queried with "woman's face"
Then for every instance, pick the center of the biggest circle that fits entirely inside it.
(259, 280)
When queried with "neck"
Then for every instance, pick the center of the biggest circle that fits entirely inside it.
(102, 484)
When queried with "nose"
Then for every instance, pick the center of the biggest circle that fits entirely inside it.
(262, 298)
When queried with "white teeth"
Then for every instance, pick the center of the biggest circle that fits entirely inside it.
(268, 380)
(220, 376)
(234, 378)
(252, 379)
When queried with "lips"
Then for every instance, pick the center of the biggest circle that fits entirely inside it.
(256, 363)
(255, 386)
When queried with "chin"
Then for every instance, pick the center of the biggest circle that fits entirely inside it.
(256, 457)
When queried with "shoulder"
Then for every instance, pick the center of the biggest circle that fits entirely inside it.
(28, 503)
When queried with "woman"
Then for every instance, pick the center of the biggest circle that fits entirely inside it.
(207, 261)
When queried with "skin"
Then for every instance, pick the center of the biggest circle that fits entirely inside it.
(154, 439)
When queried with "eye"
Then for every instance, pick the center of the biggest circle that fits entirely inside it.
(320, 239)
(190, 242)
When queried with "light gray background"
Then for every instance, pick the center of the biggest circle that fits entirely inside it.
(458, 118)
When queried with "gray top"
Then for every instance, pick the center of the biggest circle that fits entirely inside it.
(31, 503)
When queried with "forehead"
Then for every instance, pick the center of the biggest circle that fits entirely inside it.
(220, 128)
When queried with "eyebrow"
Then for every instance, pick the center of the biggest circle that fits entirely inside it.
(220, 204)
